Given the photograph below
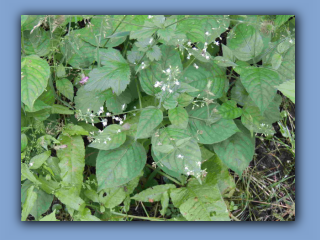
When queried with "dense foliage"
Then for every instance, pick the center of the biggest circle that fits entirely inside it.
(123, 111)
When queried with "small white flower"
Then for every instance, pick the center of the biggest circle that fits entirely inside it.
(108, 138)
(186, 168)
(205, 43)
(189, 43)
(216, 43)
(199, 163)
(157, 84)
(121, 122)
(207, 57)
(194, 48)
(290, 41)
(104, 122)
(163, 88)
(100, 131)
(150, 16)
(177, 83)
(92, 133)
(119, 131)
(133, 114)
(101, 109)
(108, 114)
(31, 164)
(170, 91)
(207, 33)
(151, 39)
(123, 106)
(196, 66)
(134, 107)
(180, 156)
(105, 142)
(168, 70)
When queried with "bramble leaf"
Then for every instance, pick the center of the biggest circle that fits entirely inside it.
(149, 119)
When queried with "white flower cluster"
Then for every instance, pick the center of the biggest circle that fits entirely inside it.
(171, 83)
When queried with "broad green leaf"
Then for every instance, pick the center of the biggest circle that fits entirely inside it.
(70, 197)
(245, 42)
(42, 203)
(114, 74)
(287, 67)
(260, 82)
(276, 61)
(48, 186)
(38, 160)
(72, 160)
(37, 106)
(53, 164)
(207, 133)
(24, 141)
(227, 53)
(90, 100)
(29, 203)
(200, 202)
(60, 109)
(119, 166)
(209, 79)
(229, 110)
(146, 32)
(178, 117)
(281, 19)
(272, 113)
(224, 62)
(50, 217)
(150, 118)
(61, 72)
(91, 194)
(31, 21)
(65, 87)
(184, 100)
(71, 129)
(86, 215)
(26, 173)
(288, 89)
(153, 194)
(34, 78)
(164, 203)
(114, 197)
(37, 42)
(182, 153)
(237, 151)
(112, 137)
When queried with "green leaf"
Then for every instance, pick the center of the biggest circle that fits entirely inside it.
(42, 203)
(119, 166)
(34, 78)
(239, 93)
(50, 218)
(288, 89)
(200, 202)
(114, 197)
(37, 42)
(37, 106)
(245, 42)
(281, 19)
(60, 109)
(224, 62)
(114, 74)
(227, 53)
(24, 141)
(71, 129)
(65, 87)
(276, 61)
(29, 203)
(176, 150)
(237, 151)
(184, 100)
(31, 21)
(53, 164)
(38, 160)
(272, 113)
(206, 132)
(164, 203)
(150, 118)
(154, 193)
(112, 137)
(178, 117)
(72, 160)
(229, 110)
(26, 173)
(61, 72)
(90, 100)
(70, 197)
(287, 67)
(260, 82)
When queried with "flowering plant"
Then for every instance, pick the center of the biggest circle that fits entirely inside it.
(125, 110)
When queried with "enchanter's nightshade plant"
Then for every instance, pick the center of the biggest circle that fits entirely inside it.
(125, 110)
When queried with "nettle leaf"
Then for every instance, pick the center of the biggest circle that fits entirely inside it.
(237, 151)
(72, 160)
(184, 100)
(90, 100)
(176, 150)
(27, 174)
(288, 89)
(37, 106)
(210, 128)
(178, 117)
(281, 19)
(70, 197)
(152, 74)
(114, 74)
(229, 110)
(119, 166)
(112, 137)
(147, 31)
(149, 119)
(272, 113)
(154, 193)
(37, 42)
(245, 42)
(38, 160)
(260, 82)
(34, 78)
(287, 67)
(152, 52)
(239, 93)
(29, 203)
(209, 80)
(50, 217)
(114, 197)
(71, 129)
(200, 202)
(65, 87)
